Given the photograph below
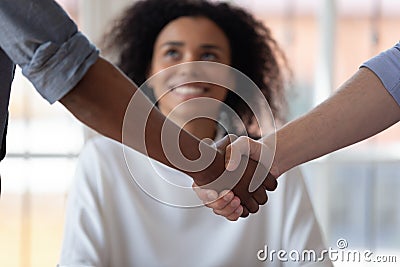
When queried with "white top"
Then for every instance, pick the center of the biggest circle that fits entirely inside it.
(111, 222)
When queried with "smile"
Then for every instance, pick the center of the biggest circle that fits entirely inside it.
(190, 91)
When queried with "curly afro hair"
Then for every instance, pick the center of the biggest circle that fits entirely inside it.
(254, 51)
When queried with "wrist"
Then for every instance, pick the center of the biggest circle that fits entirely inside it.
(269, 156)
(274, 171)
(211, 172)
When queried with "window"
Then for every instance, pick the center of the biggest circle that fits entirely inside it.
(43, 142)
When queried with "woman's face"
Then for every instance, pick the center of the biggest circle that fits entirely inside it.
(183, 40)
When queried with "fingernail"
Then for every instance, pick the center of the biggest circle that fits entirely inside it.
(239, 210)
(234, 203)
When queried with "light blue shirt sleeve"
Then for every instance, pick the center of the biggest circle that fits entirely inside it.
(386, 66)
(41, 38)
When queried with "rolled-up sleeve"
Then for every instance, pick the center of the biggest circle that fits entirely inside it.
(386, 66)
(41, 38)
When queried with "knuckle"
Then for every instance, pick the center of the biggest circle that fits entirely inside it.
(218, 205)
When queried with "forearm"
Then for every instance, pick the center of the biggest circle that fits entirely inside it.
(57, 58)
(361, 108)
(107, 101)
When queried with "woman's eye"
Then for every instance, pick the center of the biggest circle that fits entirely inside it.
(209, 57)
(172, 53)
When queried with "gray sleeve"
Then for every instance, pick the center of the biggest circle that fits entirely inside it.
(386, 66)
(40, 37)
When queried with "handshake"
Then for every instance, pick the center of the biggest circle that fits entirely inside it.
(241, 188)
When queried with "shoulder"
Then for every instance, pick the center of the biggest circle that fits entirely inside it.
(106, 157)
(99, 155)
(101, 144)
(101, 148)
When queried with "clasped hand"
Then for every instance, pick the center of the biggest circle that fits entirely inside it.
(236, 202)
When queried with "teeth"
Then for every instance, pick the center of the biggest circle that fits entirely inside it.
(185, 90)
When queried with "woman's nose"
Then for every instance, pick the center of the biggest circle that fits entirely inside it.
(189, 57)
(189, 68)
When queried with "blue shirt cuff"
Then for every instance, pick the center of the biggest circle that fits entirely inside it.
(72, 59)
(386, 66)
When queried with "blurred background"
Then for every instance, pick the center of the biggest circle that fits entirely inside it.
(355, 191)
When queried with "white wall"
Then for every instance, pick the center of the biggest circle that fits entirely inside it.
(95, 16)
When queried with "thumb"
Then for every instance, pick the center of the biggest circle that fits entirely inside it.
(235, 151)
(225, 141)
